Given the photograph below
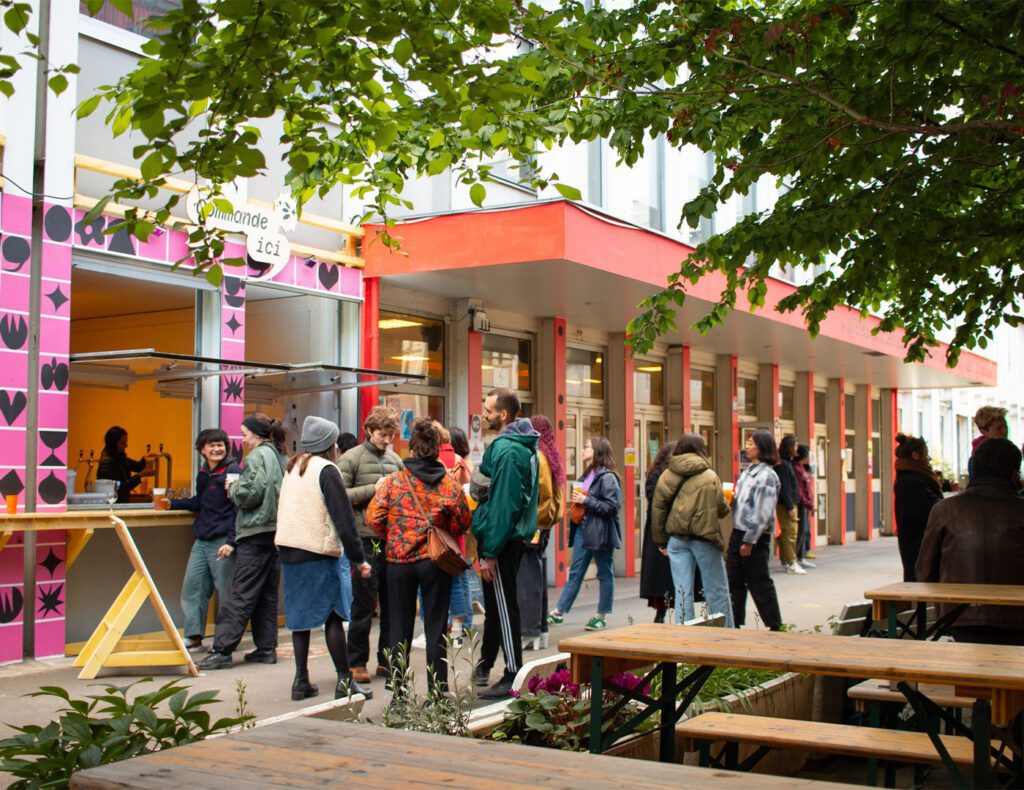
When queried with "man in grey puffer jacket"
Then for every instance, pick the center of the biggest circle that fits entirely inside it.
(363, 468)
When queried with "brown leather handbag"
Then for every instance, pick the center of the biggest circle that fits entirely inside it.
(441, 546)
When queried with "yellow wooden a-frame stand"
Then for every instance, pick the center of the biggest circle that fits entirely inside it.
(107, 646)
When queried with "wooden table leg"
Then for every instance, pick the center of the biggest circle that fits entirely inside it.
(77, 539)
(596, 702)
(667, 745)
(112, 627)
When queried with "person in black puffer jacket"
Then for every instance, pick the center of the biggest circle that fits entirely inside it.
(213, 527)
(786, 510)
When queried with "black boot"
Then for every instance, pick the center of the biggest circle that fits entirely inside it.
(659, 616)
(302, 688)
(347, 687)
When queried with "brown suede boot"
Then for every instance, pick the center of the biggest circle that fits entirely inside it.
(360, 675)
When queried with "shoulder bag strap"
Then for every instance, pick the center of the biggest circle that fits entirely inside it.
(416, 499)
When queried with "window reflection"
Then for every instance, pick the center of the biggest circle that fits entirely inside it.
(506, 362)
(648, 383)
(584, 374)
(412, 344)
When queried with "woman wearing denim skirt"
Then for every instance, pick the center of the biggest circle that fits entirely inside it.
(314, 521)
(688, 502)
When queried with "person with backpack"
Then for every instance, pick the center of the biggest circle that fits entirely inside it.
(532, 579)
(688, 503)
(595, 532)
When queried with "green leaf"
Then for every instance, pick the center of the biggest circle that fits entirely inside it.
(198, 107)
(403, 51)
(88, 106)
(124, 6)
(499, 137)
(152, 165)
(531, 72)
(58, 83)
(568, 192)
(436, 139)
(16, 17)
(439, 164)
(477, 193)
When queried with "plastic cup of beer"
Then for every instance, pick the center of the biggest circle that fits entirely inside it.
(727, 492)
(160, 500)
(469, 498)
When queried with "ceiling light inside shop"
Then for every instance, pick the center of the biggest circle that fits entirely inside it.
(592, 381)
(487, 367)
(396, 323)
(410, 358)
(649, 369)
(573, 381)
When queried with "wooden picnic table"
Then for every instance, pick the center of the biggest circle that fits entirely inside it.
(316, 753)
(108, 646)
(886, 603)
(993, 675)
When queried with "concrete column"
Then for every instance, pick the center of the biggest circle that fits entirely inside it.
(348, 401)
(864, 510)
(551, 401)
(620, 434)
(768, 396)
(727, 423)
(803, 420)
(677, 374)
(835, 421)
(887, 442)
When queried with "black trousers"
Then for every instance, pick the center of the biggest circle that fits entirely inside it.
(252, 598)
(803, 533)
(404, 581)
(532, 588)
(365, 593)
(751, 573)
(502, 628)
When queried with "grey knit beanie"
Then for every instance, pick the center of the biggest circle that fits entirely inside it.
(318, 434)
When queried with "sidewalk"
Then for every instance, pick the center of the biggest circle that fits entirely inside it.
(842, 575)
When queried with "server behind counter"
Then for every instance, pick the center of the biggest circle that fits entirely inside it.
(116, 465)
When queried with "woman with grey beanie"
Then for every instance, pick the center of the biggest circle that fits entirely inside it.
(315, 523)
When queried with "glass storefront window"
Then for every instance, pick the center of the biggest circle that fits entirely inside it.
(851, 412)
(820, 402)
(584, 374)
(506, 362)
(876, 415)
(412, 344)
(420, 406)
(702, 389)
(786, 395)
(747, 397)
(649, 383)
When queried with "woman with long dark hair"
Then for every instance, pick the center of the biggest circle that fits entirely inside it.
(399, 513)
(753, 517)
(655, 573)
(314, 522)
(688, 503)
(257, 573)
(915, 491)
(787, 509)
(116, 465)
(531, 579)
(597, 534)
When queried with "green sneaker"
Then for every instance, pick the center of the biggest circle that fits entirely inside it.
(556, 618)
(596, 623)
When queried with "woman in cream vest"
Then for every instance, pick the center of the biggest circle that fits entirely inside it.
(314, 521)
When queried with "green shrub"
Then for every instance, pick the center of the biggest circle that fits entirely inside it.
(105, 728)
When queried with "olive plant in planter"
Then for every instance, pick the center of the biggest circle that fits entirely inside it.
(108, 727)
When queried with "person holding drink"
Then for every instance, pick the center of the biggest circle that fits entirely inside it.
(213, 528)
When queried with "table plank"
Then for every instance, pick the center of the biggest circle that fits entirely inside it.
(950, 663)
(317, 753)
(936, 592)
(96, 519)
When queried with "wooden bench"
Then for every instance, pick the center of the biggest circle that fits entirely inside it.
(842, 739)
(872, 692)
(857, 619)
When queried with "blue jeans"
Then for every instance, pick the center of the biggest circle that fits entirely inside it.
(203, 573)
(684, 554)
(580, 562)
(459, 603)
(346, 587)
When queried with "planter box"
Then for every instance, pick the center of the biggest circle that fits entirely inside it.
(790, 696)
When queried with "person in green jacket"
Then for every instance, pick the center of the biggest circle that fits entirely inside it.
(257, 574)
(505, 518)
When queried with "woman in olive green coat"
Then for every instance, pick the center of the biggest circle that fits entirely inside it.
(688, 502)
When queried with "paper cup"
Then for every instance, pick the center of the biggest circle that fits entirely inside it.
(231, 477)
(12, 504)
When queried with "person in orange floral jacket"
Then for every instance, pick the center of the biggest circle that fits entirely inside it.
(398, 513)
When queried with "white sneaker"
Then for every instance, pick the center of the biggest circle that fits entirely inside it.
(794, 568)
(807, 564)
(420, 642)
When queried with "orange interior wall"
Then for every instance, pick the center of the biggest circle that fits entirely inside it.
(148, 417)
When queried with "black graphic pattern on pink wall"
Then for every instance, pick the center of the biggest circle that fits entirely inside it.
(57, 223)
(12, 405)
(49, 599)
(233, 388)
(11, 603)
(52, 489)
(54, 374)
(57, 298)
(13, 331)
(10, 484)
(51, 562)
(15, 252)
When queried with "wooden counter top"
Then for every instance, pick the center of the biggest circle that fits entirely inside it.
(95, 519)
